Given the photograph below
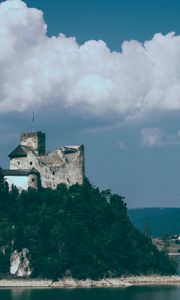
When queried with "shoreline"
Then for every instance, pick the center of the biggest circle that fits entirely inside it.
(88, 283)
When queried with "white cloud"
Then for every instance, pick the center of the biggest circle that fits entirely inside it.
(37, 70)
(122, 145)
(152, 137)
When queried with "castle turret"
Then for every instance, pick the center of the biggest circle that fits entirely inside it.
(34, 140)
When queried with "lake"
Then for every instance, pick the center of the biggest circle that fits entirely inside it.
(131, 293)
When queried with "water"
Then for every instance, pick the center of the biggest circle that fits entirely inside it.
(131, 293)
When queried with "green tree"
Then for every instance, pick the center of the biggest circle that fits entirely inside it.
(80, 229)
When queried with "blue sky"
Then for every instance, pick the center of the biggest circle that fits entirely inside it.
(113, 21)
(131, 147)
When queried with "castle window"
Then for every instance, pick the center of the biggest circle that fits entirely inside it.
(30, 163)
(33, 180)
(53, 173)
(18, 162)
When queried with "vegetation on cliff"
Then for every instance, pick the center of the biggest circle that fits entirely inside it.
(80, 229)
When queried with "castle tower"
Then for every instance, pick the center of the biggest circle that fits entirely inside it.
(34, 180)
(34, 140)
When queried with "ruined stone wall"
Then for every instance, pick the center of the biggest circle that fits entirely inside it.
(58, 167)
(35, 140)
(34, 181)
(65, 165)
(67, 168)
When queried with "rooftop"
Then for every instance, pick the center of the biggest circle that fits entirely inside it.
(8, 172)
(20, 151)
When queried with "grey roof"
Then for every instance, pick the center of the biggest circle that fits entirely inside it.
(20, 151)
(70, 149)
(8, 172)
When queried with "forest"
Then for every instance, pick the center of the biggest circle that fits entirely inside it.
(78, 230)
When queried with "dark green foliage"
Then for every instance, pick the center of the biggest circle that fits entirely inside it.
(2, 181)
(3, 189)
(79, 229)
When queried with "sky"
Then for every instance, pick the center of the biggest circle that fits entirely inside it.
(105, 74)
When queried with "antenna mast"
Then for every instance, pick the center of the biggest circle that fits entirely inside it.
(33, 121)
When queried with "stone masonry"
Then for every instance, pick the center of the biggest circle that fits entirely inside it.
(48, 169)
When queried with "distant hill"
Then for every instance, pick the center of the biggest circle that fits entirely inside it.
(156, 221)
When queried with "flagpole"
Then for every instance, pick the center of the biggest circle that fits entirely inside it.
(33, 121)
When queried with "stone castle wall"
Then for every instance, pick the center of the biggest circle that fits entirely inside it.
(64, 165)
(34, 140)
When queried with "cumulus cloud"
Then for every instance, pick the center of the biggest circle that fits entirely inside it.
(37, 70)
(152, 137)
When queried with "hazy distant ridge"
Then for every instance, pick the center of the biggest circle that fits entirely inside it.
(159, 221)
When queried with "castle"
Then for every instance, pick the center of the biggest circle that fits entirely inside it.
(32, 166)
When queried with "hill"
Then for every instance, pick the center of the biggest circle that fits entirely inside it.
(78, 230)
(156, 221)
